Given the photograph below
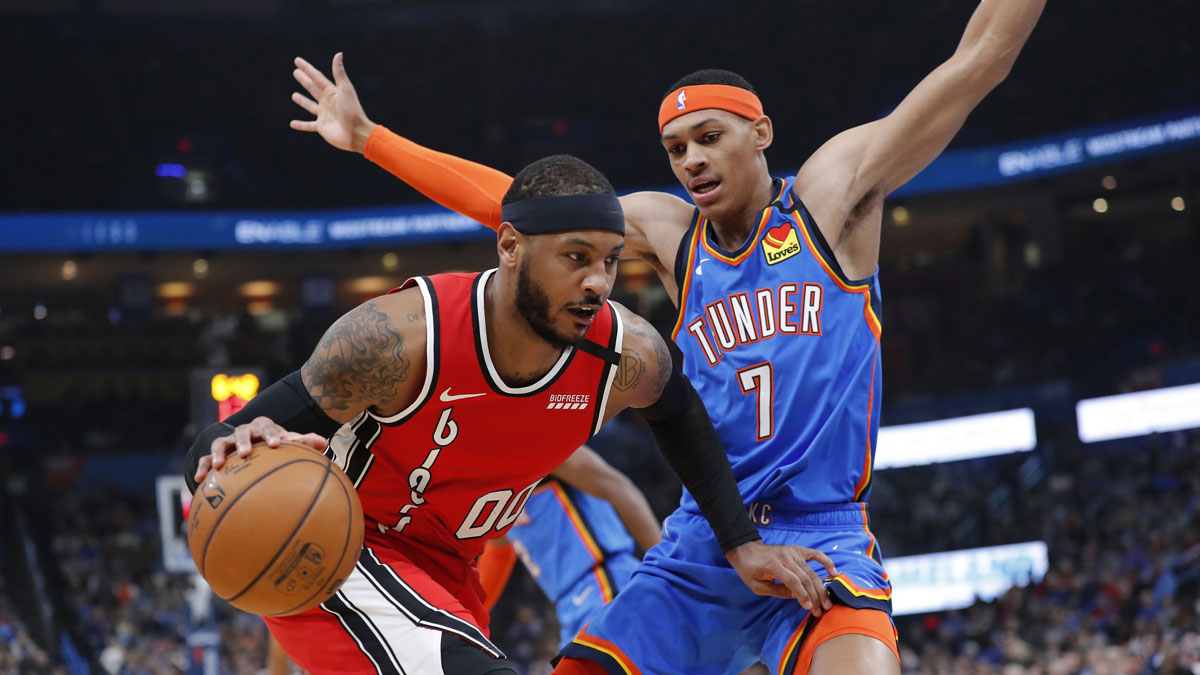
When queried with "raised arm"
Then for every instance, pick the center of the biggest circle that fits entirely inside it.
(588, 472)
(471, 189)
(655, 220)
(372, 358)
(845, 180)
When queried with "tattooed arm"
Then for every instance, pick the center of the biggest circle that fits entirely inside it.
(645, 366)
(373, 358)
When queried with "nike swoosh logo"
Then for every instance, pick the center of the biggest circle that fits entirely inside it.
(698, 272)
(579, 599)
(447, 397)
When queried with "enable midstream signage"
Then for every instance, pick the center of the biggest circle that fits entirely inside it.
(424, 223)
(956, 579)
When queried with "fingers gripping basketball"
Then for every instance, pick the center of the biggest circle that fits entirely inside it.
(276, 532)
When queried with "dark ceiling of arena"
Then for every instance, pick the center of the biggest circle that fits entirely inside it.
(100, 92)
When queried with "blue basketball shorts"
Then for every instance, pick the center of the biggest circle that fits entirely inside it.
(687, 611)
(591, 592)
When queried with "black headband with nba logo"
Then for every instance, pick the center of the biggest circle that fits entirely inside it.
(549, 215)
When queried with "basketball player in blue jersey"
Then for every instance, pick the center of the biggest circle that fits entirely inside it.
(779, 323)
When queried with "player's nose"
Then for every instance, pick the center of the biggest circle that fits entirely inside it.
(696, 159)
(597, 281)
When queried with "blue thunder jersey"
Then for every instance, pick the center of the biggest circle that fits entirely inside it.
(564, 536)
(784, 351)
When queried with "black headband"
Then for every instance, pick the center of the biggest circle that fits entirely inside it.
(545, 215)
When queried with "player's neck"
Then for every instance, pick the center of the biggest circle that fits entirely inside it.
(731, 229)
(518, 354)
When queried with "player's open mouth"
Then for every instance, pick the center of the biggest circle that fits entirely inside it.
(583, 314)
(704, 191)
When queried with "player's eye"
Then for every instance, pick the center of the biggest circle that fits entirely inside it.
(711, 137)
(675, 149)
(577, 257)
(611, 260)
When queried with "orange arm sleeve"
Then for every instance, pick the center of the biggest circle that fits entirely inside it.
(471, 189)
(495, 566)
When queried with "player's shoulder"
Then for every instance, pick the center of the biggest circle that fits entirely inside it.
(645, 360)
(634, 326)
(656, 221)
(404, 305)
(662, 207)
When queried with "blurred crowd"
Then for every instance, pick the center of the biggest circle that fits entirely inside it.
(19, 653)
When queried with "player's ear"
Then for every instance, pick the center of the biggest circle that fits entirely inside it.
(764, 133)
(508, 243)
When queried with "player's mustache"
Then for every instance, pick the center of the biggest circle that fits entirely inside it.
(590, 299)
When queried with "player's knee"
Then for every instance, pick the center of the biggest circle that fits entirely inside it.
(854, 654)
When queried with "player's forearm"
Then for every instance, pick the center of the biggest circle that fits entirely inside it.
(997, 32)
(634, 511)
(287, 403)
(472, 189)
(686, 437)
(495, 567)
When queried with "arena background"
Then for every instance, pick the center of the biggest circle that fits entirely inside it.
(161, 225)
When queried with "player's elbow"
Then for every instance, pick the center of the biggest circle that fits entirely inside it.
(988, 62)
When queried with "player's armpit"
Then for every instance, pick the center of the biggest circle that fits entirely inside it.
(373, 358)
(463, 186)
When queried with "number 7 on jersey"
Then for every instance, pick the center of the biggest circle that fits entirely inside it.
(758, 378)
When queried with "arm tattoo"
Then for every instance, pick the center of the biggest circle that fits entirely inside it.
(360, 361)
(633, 365)
(629, 370)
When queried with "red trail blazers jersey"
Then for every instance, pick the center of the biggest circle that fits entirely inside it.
(455, 468)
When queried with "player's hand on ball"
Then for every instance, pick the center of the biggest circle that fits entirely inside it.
(783, 572)
(244, 437)
(341, 120)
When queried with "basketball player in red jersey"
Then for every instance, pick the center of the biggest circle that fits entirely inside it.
(714, 131)
(451, 397)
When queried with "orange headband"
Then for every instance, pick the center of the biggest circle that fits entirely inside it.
(701, 96)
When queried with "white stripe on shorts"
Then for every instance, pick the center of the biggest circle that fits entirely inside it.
(411, 649)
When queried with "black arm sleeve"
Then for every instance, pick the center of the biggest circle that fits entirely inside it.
(690, 444)
(287, 403)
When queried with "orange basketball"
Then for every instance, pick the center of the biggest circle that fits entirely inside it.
(278, 532)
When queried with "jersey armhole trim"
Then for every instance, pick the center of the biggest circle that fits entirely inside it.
(606, 380)
(432, 333)
(823, 248)
(682, 254)
(684, 281)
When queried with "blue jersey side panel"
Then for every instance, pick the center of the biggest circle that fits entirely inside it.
(784, 351)
(564, 533)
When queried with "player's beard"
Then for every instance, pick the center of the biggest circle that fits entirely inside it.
(534, 306)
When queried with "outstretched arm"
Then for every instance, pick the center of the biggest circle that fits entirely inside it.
(471, 189)
(655, 220)
(587, 471)
(862, 165)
